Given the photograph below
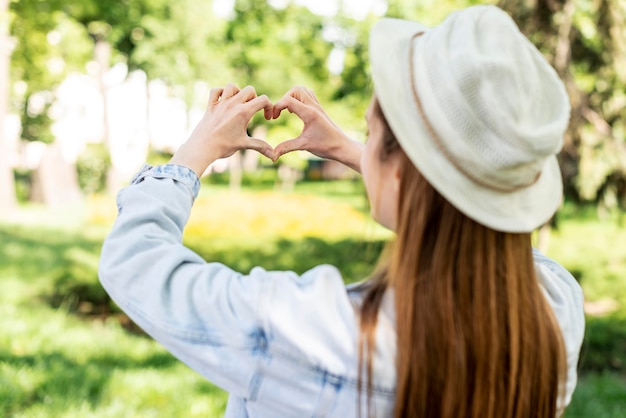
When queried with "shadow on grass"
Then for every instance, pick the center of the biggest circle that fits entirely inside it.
(62, 266)
(604, 347)
(64, 382)
(38, 253)
(355, 259)
(599, 395)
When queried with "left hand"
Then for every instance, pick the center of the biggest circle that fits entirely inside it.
(223, 129)
(320, 136)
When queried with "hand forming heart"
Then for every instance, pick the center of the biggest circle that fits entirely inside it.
(223, 129)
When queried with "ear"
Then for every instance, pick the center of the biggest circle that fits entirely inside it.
(396, 173)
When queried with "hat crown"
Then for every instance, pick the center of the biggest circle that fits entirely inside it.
(478, 110)
(499, 110)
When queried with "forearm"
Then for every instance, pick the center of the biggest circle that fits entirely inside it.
(350, 154)
(195, 156)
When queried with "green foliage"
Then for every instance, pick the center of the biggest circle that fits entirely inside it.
(259, 179)
(93, 165)
(589, 250)
(36, 126)
(23, 184)
(48, 46)
(605, 344)
(275, 48)
(32, 21)
(299, 255)
(157, 157)
(53, 364)
(586, 43)
(76, 289)
(114, 21)
(181, 45)
(600, 396)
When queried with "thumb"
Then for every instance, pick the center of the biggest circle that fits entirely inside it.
(290, 145)
(261, 147)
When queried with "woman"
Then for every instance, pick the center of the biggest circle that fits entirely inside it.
(462, 318)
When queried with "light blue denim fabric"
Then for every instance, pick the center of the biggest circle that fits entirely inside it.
(283, 345)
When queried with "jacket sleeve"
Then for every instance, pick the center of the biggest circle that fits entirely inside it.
(270, 336)
(565, 296)
(204, 313)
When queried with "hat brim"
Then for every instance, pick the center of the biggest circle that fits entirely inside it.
(521, 210)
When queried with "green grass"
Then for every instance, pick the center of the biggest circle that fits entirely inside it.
(599, 396)
(65, 351)
(55, 363)
(595, 253)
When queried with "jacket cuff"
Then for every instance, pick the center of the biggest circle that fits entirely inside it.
(179, 173)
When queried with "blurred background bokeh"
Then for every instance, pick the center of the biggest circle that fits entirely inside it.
(92, 89)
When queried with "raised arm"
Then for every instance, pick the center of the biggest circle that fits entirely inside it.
(320, 135)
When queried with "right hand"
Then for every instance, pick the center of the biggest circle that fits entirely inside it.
(320, 135)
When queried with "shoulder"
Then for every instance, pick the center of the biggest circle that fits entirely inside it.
(310, 316)
(565, 296)
(560, 287)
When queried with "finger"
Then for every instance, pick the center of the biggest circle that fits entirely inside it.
(291, 104)
(298, 93)
(303, 94)
(258, 103)
(290, 145)
(214, 95)
(262, 147)
(268, 107)
(313, 96)
(246, 94)
(229, 91)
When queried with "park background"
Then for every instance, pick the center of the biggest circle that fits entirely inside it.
(90, 89)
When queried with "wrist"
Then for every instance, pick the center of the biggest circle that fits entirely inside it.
(193, 157)
(351, 154)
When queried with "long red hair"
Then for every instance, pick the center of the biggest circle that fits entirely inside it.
(475, 335)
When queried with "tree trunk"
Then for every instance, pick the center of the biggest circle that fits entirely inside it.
(102, 55)
(236, 172)
(55, 181)
(8, 200)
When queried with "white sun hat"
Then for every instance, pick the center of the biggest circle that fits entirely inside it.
(478, 110)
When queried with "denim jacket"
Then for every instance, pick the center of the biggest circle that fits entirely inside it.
(281, 344)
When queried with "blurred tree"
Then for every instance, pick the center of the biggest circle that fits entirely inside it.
(32, 64)
(8, 200)
(274, 49)
(114, 27)
(586, 43)
(182, 45)
(36, 64)
(46, 49)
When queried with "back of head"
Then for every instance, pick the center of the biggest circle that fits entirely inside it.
(478, 139)
(479, 112)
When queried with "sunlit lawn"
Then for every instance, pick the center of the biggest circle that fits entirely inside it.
(63, 354)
